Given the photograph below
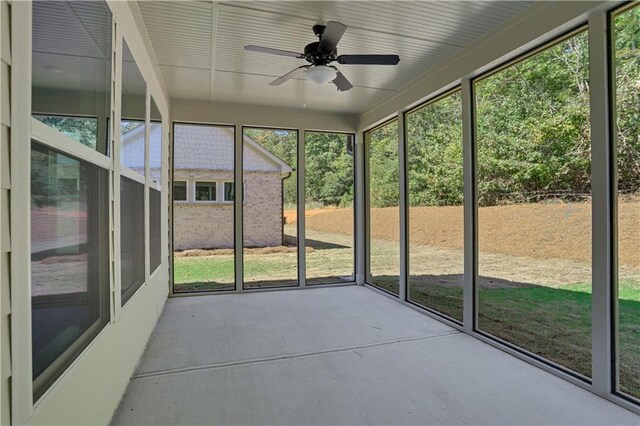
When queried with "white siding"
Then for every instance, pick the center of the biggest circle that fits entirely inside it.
(211, 148)
(5, 187)
(132, 148)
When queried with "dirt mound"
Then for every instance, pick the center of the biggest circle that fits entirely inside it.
(229, 251)
(292, 215)
(540, 230)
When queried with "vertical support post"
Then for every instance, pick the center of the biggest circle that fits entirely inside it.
(361, 230)
(470, 208)
(20, 207)
(170, 202)
(116, 102)
(603, 197)
(167, 198)
(237, 208)
(147, 178)
(404, 210)
(4, 184)
(302, 243)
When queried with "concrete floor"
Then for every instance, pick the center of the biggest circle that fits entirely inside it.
(334, 356)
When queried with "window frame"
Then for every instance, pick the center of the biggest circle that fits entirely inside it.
(445, 94)
(613, 201)
(186, 191)
(368, 277)
(172, 204)
(224, 200)
(576, 30)
(299, 133)
(152, 270)
(51, 138)
(215, 191)
(135, 287)
(352, 140)
(25, 130)
(224, 192)
(125, 170)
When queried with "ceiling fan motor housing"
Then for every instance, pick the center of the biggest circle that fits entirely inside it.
(318, 29)
(313, 55)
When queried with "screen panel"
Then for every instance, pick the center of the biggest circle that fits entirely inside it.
(70, 285)
(155, 229)
(133, 113)
(270, 233)
(626, 51)
(534, 215)
(329, 209)
(132, 237)
(436, 195)
(383, 214)
(203, 232)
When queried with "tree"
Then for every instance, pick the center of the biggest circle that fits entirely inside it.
(284, 145)
(84, 130)
(627, 68)
(329, 169)
(384, 189)
(533, 133)
(434, 153)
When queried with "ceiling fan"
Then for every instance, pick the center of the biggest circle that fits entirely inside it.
(321, 53)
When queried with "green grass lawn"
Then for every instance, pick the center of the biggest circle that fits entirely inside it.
(203, 273)
(331, 261)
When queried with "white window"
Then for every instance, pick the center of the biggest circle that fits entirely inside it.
(179, 191)
(70, 258)
(205, 191)
(229, 191)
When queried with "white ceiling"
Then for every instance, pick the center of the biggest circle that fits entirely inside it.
(72, 49)
(199, 46)
(76, 57)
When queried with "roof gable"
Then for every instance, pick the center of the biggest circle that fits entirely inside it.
(212, 148)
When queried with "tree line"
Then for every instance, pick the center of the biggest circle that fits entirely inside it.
(532, 122)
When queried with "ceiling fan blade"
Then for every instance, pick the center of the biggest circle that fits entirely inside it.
(274, 51)
(331, 36)
(368, 59)
(288, 76)
(342, 83)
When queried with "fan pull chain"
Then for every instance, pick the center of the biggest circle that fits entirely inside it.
(304, 98)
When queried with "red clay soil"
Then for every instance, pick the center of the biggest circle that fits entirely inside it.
(292, 215)
(541, 230)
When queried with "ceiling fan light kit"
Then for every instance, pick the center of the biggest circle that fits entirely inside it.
(321, 53)
(321, 74)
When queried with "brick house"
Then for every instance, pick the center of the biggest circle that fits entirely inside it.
(204, 190)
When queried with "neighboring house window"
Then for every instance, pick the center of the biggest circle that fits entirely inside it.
(229, 191)
(206, 191)
(179, 191)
